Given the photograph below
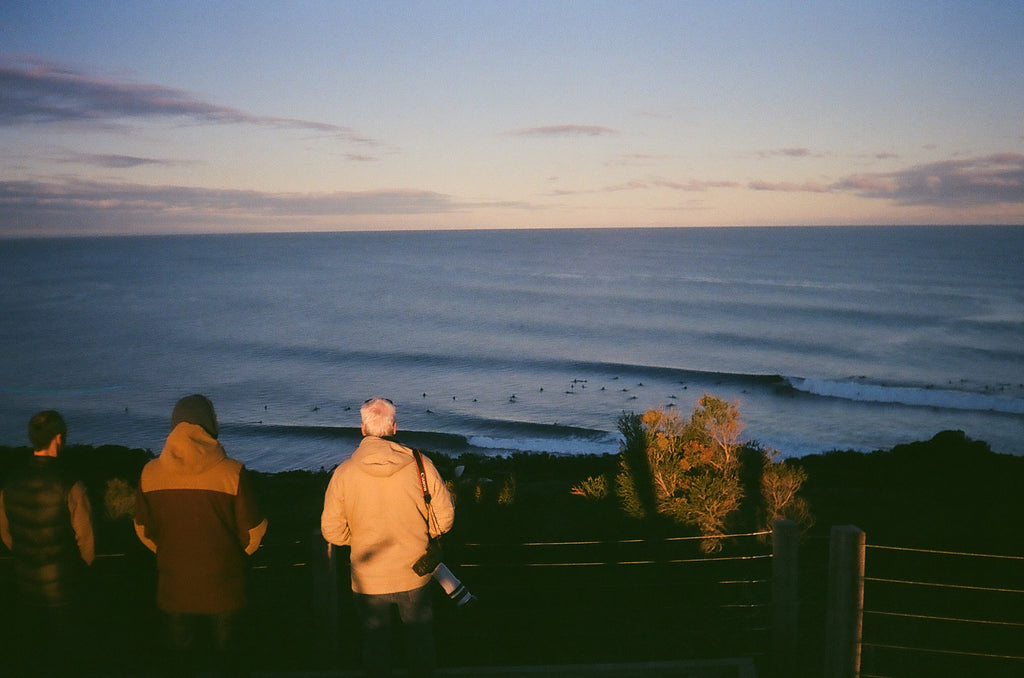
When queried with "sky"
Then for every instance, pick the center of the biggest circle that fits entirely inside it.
(148, 117)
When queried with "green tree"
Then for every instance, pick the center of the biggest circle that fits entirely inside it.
(691, 471)
(780, 485)
(717, 425)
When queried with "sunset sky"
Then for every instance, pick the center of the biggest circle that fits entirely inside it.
(167, 117)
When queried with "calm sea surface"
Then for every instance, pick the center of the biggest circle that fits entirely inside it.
(502, 341)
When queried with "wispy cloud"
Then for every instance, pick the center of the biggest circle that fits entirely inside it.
(361, 157)
(114, 161)
(634, 185)
(786, 153)
(988, 180)
(962, 183)
(634, 160)
(34, 91)
(789, 186)
(692, 185)
(45, 207)
(564, 131)
(695, 185)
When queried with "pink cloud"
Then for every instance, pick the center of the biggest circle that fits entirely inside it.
(34, 91)
(969, 182)
(695, 185)
(789, 187)
(565, 130)
(102, 206)
(114, 161)
(868, 183)
(787, 152)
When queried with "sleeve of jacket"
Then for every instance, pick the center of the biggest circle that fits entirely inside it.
(252, 525)
(440, 498)
(5, 529)
(81, 521)
(142, 520)
(334, 520)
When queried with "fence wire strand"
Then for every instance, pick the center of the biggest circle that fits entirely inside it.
(908, 615)
(896, 646)
(879, 547)
(932, 650)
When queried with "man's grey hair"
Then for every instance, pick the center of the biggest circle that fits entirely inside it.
(378, 415)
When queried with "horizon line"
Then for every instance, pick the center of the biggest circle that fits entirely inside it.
(495, 229)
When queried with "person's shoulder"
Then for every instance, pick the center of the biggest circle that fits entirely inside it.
(151, 467)
(373, 445)
(398, 446)
(232, 471)
(232, 464)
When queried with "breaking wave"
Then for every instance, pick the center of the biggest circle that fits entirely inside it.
(909, 395)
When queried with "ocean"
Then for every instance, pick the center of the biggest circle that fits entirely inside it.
(498, 342)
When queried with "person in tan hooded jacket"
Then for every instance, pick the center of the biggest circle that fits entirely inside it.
(375, 504)
(196, 510)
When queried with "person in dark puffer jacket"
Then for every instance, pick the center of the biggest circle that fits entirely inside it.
(196, 510)
(46, 522)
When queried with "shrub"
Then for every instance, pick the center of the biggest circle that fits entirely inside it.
(119, 499)
(594, 488)
(780, 483)
(507, 494)
(696, 472)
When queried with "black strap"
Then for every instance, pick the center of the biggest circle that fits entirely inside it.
(426, 492)
(423, 476)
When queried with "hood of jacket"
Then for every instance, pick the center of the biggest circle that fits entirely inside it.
(191, 450)
(381, 457)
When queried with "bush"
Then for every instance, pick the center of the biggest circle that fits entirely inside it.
(594, 488)
(696, 473)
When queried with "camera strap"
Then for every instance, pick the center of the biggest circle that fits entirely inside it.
(426, 491)
(423, 476)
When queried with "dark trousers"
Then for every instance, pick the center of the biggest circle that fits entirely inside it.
(416, 612)
(191, 637)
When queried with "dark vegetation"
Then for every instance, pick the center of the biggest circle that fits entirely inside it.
(950, 492)
(947, 493)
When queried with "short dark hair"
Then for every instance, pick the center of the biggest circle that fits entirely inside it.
(44, 427)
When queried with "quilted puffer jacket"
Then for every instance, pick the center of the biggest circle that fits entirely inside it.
(43, 507)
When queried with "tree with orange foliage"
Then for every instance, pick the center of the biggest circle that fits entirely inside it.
(691, 471)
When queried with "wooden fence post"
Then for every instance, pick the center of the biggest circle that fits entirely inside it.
(785, 597)
(325, 594)
(845, 604)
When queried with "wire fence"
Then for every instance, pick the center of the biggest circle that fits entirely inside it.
(934, 612)
(607, 601)
(559, 602)
(539, 602)
(924, 611)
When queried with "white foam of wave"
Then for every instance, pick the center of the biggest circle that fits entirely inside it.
(557, 446)
(907, 395)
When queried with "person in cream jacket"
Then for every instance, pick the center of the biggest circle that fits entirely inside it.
(374, 503)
